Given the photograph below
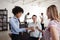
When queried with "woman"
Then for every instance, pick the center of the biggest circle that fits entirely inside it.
(52, 32)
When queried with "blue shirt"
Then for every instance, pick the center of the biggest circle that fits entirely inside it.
(14, 24)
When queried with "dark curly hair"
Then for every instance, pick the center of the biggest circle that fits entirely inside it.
(17, 9)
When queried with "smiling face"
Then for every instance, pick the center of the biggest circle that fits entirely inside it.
(48, 15)
(17, 11)
(34, 18)
(18, 15)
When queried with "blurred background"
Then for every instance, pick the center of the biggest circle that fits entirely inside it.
(32, 6)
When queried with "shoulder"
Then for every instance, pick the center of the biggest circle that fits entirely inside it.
(12, 19)
(52, 24)
(31, 23)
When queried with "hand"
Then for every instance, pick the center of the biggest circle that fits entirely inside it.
(43, 32)
(30, 28)
(37, 27)
(27, 28)
(38, 38)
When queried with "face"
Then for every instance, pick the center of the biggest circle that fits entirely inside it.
(19, 14)
(34, 18)
(48, 15)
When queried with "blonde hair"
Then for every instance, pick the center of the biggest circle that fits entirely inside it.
(52, 10)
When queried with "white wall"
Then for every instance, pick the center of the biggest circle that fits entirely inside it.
(46, 4)
(33, 8)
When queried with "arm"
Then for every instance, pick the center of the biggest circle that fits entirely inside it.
(54, 33)
(31, 28)
(16, 27)
(40, 31)
(39, 28)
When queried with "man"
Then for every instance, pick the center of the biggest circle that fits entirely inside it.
(42, 21)
(15, 23)
(34, 33)
(25, 19)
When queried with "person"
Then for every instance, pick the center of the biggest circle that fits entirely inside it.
(59, 15)
(34, 33)
(15, 23)
(42, 21)
(52, 32)
(25, 19)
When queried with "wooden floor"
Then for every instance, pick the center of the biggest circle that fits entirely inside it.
(4, 35)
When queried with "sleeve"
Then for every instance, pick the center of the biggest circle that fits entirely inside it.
(14, 25)
(40, 33)
(29, 25)
(52, 24)
(40, 27)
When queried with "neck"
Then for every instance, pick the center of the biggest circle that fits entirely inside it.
(16, 17)
(35, 22)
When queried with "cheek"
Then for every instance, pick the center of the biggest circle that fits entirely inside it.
(19, 14)
(48, 15)
(32, 19)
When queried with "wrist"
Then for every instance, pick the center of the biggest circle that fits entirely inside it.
(26, 28)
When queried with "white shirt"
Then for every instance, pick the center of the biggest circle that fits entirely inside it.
(42, 18)
(14, 24)
(36, 33)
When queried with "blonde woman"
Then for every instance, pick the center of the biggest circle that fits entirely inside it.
(52, 32)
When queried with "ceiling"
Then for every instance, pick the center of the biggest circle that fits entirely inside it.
(23, 1)
(26, 1)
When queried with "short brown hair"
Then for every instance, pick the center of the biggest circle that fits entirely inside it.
(34, 15)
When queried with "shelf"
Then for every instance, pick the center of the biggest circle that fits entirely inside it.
(3, 19)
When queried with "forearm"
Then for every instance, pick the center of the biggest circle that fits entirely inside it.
(40, 30)
(38, 38)
(54, 34)
(22, 30)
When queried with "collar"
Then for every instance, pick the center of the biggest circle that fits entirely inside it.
(15, 17)
(36, 22)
